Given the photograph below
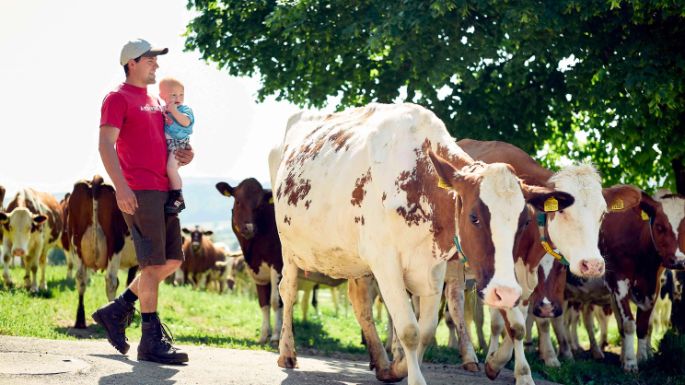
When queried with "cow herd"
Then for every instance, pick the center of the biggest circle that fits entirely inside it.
(384, 198)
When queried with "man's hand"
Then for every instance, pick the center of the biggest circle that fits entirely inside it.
(126, 200)
(184, 156)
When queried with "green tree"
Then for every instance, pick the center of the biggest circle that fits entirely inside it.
(490, 69)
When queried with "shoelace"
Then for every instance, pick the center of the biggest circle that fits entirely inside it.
(167, 337)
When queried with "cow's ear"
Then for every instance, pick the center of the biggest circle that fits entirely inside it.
(3, 217)
(448, 175)
(546, 199)
(621, 197)
(185, 231)
(39, 218)
(208, 232)
(649, 205)
(225, 189)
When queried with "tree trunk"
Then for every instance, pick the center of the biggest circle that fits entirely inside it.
(678, 309)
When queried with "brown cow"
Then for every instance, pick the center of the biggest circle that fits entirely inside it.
(254, 224)
(32, 225)
(98, 237)
(200, 257)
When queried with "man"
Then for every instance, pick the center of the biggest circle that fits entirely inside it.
(133, 149)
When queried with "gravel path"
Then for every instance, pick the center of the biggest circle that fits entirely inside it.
(25, 361)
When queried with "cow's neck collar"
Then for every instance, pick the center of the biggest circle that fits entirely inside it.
(542, 226)
(460, 251)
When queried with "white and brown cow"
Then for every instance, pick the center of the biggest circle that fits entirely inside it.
(357, 193)
(573, 231)
(32, 225)
(98, 238)
(637, 244)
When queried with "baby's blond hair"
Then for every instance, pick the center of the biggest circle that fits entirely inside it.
(169, 82)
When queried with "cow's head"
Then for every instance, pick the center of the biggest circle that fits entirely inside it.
(547, 300)
(674, 208)
(575, 230)
(18, 226)
(490, 214)
(196, 237)
(250, 199)
(662, 235)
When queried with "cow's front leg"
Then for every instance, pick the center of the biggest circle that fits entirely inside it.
(562, 337)
(288, 290)
(455, 284)
(644, 350)
(31, 276)
(359, 290)
(263, 295)
(498, 354)
(547, 353)
(7, 260)
(626, 322)
(276, 304)
(42, 263)
(588, 320)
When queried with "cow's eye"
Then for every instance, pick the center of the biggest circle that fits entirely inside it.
(474, 219)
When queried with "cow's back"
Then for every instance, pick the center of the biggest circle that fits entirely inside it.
(362, 179)
(495, 151)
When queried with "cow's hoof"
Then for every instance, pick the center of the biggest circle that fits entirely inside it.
(388, 375)
(80, 325)
(287, 362)
(630, 367)
(262, 340)
(471, 367)
(525, 379)
(597, 355)
(490, 371)
(552, 362)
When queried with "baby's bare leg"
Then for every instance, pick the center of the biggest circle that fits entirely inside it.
(172, 171)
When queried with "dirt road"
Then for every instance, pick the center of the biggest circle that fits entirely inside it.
(27, 361)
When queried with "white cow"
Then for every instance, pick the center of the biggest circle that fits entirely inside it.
(357, 193)
(32, 225)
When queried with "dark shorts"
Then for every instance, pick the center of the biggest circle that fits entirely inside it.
(156, 236)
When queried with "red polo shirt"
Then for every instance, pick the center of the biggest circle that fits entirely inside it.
(141, 145)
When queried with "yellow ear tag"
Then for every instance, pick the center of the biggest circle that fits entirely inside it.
(442, 184)
(271, 200)
(551, 204)
(644, 215)
(617, 205)
(226, 193)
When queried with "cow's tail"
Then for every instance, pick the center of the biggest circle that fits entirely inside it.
(97, 233)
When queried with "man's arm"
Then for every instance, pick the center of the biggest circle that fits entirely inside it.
(184, 156)
(126, 200)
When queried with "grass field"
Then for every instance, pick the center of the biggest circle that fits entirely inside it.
(233, 321)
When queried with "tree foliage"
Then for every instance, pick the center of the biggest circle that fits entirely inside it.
(598, 80)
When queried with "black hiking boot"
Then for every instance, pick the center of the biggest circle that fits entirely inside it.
(155, 345)
(115, 317)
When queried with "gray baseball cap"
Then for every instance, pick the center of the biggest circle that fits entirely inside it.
(137, 48)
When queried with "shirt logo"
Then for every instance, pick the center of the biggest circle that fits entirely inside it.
(151, 108)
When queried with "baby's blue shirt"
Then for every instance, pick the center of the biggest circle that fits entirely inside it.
(177, 131)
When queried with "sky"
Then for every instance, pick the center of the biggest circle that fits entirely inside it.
(59, 60)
